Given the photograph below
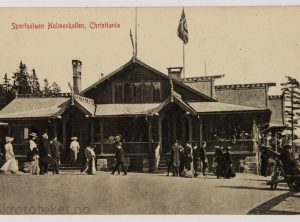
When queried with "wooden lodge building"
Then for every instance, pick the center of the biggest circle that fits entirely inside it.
(147, 109)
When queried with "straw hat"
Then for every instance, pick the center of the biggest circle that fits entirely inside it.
(74, 138)
(9, 139)
(32, 134)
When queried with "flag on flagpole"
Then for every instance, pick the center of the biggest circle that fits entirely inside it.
(132, 43)
(182, 30)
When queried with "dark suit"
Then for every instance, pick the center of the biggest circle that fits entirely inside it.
(56, 147)
(202, 154)
(120, 161)
(44, 151)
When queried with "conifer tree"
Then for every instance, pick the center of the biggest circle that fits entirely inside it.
(291, 94)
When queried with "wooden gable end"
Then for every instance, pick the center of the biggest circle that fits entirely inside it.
(104, 91)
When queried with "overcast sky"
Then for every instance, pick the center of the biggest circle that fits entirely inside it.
(248, 45)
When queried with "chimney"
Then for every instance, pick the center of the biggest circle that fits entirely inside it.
(175, 72)
(76, 75)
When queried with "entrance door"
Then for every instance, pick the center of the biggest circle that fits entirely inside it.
(77, 125)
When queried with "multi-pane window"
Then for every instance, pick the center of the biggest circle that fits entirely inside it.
(118, 93)
(156, 91)
(147, 92)
(128, 97)
(137, 92)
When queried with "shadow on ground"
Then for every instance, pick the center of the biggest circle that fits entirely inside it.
(250, 188)
(266, 207)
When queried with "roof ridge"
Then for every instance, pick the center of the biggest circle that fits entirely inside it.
(245, 85)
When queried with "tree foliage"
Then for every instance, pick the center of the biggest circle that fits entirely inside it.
(22, 82)
(291, 93)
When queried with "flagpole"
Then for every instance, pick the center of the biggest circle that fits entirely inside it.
(135, 31)
(183, 57)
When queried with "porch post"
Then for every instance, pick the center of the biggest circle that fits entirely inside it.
(64, 122)
(55, 128)
(101, 136)
(92, 130)
(149, 120)
(174, 128)
(276, 141)
(255, 148)
(183, 129)
(159, 133)
(10, 128)
(169, 122)
(200, 131)
(190, 128)
(255, 136)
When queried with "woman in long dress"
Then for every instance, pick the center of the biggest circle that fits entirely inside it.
(90, 167)
(228, 170)
(10, 165)
(32, 164)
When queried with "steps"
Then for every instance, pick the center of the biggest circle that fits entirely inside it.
(70, 167)
(163, 164)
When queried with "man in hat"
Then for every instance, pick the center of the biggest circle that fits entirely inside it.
(119, 158)
(44, 153)
(74, 146)
(264, 160)
(202, 154)
(290, 164)
(56, 148)
(196, 155)
(175, 157)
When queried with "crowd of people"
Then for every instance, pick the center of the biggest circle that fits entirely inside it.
(185, 160)
(43, 153)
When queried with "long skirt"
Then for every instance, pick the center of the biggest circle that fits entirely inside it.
(90, 167)
(31, 167)
(10, 166)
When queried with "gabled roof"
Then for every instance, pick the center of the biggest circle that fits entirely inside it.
(43, 107)
(137, 61)
(21, 108)
(219, 107)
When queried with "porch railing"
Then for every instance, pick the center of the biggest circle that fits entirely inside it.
(245, 145)
(128, 147)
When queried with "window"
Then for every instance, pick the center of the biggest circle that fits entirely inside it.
(147, 92)
(137, 92)
(128, 97)
(26, 132)
(156, 92)
(118, 93)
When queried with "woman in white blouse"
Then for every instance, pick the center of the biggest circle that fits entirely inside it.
(10, 165)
